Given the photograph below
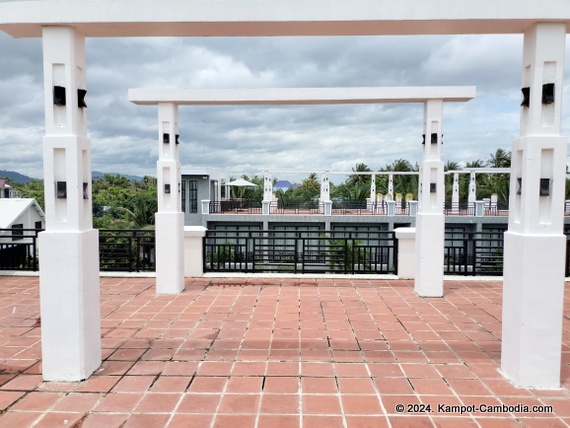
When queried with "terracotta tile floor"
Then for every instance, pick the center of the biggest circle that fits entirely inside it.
(258, 352)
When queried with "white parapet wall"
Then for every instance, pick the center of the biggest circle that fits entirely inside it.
(406, 237)
(194, 251)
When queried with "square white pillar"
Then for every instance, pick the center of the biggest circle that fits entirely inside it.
(69, 247)
(169, 220)
(430, 221)
(70, 305)
(533, 277)
(169, 236)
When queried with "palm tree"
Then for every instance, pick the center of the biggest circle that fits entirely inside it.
(501, 159)
(358, 179)
(403, 184)
(141, 216)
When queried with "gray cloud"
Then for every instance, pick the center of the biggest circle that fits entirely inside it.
(250, 139)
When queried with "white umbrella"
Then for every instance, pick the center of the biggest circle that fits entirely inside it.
(240, 182)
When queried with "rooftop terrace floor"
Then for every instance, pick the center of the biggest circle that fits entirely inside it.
(260, 352)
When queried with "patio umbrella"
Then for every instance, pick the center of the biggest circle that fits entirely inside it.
(240, 182)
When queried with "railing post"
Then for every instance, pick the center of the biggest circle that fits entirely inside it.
(391, 208)
(479, 208)
(413, 208)
(205, 206)
(327, 208)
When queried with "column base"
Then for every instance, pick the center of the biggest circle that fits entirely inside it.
(70, 305)
(430, 234)
(533, 298)
(169, 232)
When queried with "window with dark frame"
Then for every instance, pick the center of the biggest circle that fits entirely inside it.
(193, 196)
(17, 232)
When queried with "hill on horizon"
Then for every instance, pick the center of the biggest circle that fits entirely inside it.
(21, 178)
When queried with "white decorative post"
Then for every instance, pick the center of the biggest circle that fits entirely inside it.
(430, 221)
(169, 220)
(69, 273)
(533, 281)
(325, 187)
(372, 200)
(455, 194)
(472, 197)
(267, 186)
(267, 192)
(325, 207)
(390, 186)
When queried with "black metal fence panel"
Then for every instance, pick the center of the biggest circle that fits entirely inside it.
(18, 249)
(479, 253)
(126, 250)
(300, 252)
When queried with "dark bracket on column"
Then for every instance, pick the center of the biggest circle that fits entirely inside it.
(61, 190)
(545, 187)
(85, 194)
(167, 188)
(81, 98)
(432, 187)
(548, 93)
(526, 97)
(519, 182)
(59, 96)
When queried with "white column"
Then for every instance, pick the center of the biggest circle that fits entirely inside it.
(169, 220)
(391, 186)
(325, 187)
(472, 197)
(455, 194)
(69, 272)
(267, 187)
(430, 221)
(533, 278)
(372, 200)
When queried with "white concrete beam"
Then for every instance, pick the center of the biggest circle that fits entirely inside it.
(179, 18)
(273, 96)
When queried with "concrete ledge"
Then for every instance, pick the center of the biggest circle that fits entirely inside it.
(194, 231)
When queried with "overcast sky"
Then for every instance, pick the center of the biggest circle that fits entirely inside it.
(247, 140)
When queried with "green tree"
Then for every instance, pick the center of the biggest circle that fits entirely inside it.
(32, 189)
(359, 179)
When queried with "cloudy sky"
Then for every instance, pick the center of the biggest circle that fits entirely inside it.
(247, 140)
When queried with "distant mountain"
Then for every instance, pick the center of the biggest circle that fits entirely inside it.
(16, 176)
(99, 174)
(21, 178)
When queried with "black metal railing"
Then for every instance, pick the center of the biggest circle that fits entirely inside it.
(459, 208)
(126, 250)
(468, 208)
(296, 207)
(479, 253)
(19, 249)
(237, 206)
(300, 252)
